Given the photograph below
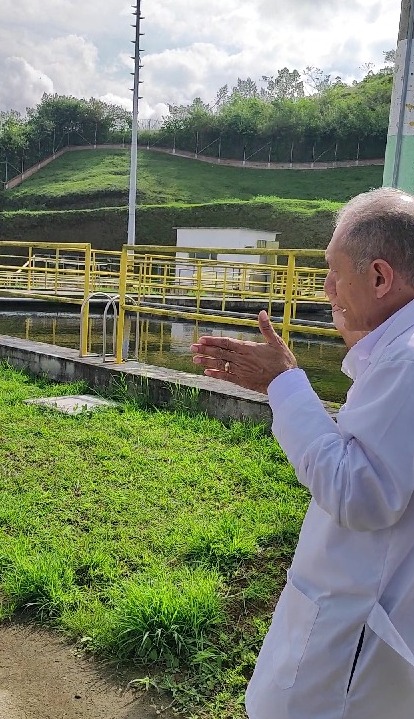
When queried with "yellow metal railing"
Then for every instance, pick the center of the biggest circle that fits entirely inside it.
(160, 278)
(67, 272)
(55, 268)
(170, 281)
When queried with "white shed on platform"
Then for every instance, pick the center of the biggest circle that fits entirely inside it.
(212, 244)
(226, 237)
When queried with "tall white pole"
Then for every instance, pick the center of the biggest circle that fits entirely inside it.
(134, 141)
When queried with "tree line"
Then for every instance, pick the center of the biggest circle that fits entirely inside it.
(289, 116)
(281, 120)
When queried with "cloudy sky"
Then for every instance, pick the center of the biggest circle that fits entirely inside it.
(192, 47)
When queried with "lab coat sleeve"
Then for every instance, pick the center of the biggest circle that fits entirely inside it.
(361, 469)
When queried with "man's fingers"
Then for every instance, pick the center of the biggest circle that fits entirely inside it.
(267, 330)
(210, 351)
(225, 343)
(220, 346)
(211, 362)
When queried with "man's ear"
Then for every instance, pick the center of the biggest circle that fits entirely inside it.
(382, 276)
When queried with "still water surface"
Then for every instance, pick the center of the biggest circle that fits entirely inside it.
(167, 343)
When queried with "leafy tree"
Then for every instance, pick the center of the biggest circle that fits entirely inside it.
(287, 84)
(222, 97)
(244, 89)
(14, 142)
(390, 57)
(318, 81)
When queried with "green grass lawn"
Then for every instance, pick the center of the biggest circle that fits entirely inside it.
(159, 539)
(98, 178)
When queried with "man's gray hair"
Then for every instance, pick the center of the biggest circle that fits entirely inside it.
(380, 225)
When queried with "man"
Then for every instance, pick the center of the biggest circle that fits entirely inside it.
(341, 643)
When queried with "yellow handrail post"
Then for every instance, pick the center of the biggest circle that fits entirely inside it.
(164, 283)
(287, 311)
(198, 286)
(29, 269)
(86, 293)
(223, 302)
(270, 276)
(93, 271)
(56, 269)
(123, 271)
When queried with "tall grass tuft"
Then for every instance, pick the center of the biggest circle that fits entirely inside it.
(164, 617)
(222, 544)
(40, 582)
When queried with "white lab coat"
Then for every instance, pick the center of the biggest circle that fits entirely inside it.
(354, 563)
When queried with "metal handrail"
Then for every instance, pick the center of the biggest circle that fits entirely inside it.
(85, 304)
(154, 279)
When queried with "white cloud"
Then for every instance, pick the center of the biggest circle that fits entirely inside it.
(192, 48)
(22, 80)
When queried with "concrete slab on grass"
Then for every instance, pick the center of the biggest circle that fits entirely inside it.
(72, 404)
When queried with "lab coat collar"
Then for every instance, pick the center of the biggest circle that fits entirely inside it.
(370, 347)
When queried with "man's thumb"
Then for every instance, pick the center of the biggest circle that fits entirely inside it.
(267, 330)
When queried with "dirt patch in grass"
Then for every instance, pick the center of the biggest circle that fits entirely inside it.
(44, 677)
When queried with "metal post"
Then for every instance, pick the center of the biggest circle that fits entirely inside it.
(199, 279)
(86, 293)
(123, 270)
(56, 269)
(399, 156)
(287, 311)
(134, 140)
(29, 269)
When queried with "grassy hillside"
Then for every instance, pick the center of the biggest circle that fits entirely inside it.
(96, 179)
(303, 223)
(83, 197)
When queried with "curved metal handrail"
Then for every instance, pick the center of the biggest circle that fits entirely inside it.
(112, 301)
(85, 303)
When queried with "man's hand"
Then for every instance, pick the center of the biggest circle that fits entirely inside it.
(249, 364)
